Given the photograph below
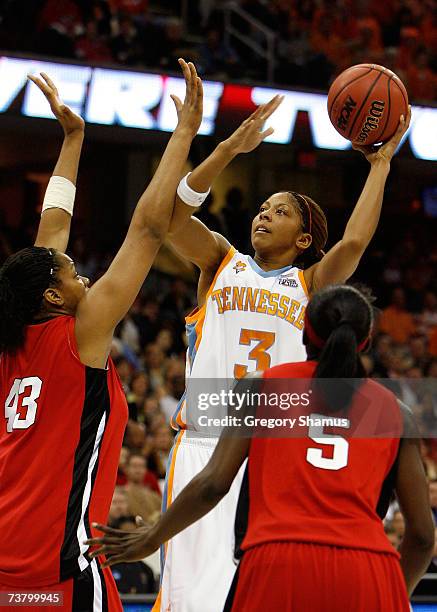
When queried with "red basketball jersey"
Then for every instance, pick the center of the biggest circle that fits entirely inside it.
(61, 429)
(321, 489)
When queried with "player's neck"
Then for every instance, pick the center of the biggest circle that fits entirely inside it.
(274, 262)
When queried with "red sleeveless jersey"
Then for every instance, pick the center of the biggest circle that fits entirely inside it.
(61, 429)
(320, 489)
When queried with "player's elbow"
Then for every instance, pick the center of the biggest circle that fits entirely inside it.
(421, 536)
(212, 489)
(354, 246)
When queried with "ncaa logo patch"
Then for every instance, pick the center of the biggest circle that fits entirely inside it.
(287, 281)
(240, 266)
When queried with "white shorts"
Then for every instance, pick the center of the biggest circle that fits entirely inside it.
(199, 564)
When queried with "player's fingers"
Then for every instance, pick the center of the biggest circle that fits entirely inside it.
(199, 91)
(109, 530)
(187, 76)
(177, 102)
(40, 84)
(193, 82)
(268, 132)
(271, 106)
(113, 560)
(49, 82)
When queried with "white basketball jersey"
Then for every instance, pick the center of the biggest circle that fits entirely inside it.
(251, 320)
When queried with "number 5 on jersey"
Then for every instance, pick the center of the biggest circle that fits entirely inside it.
(20, 393)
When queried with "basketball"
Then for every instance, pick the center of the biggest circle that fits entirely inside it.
(365, 103)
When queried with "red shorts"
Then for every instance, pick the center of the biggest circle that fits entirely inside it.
(94, 590)
(292, 577)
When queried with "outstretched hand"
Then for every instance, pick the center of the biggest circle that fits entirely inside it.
(191, 110)
(122, 546)
(250, 133)
(69, 121)
(386, 151)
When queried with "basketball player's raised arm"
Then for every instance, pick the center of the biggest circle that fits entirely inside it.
(191, 238)
(200, 495)
(107, 302)
(412, 492)
(54, 226)
(342, 260)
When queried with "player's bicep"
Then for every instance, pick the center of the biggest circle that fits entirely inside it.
(199, 244)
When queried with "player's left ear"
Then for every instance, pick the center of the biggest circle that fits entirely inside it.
(304, 241)
(54, 297)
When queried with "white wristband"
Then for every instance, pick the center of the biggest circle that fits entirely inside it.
(188, 195)
(60, 193)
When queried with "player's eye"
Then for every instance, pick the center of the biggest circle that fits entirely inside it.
(281, 211)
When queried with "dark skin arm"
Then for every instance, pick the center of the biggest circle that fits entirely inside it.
(54, 226)
(200, 496)
(411, 488)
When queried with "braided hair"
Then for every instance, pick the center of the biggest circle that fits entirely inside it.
(338, 323)
(24, 277)
(314, 223)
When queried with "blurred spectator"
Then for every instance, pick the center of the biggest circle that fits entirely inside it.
(154, 363)
(395, 320)
(144, 503)
(60, 21)
(173, 45)
(119, 506)
(122, 464)
(136, 577)
(91, 46)
(398, 524)
(124, 371)
(163, 441)
(137, 474)
(422, 82)
(173, 389)
(427, 319)
(216, 59)
(125, 45)
(139, 387)
(392, 535)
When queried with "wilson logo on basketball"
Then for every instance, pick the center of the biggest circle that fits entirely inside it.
(372, 120)
(345, 113)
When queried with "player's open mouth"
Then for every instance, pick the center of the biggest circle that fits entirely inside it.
(261, 229)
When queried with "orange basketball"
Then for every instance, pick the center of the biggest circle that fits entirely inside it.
(365, 103)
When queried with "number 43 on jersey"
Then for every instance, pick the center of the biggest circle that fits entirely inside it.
(21, 405)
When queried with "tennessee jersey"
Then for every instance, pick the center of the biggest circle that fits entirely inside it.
(61, 431)
(251, 320)
(325, 489)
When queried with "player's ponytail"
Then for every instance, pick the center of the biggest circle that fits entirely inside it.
(338, 323)
(23, 279)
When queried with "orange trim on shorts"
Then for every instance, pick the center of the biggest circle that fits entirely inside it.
(303, 282)
(157, 604)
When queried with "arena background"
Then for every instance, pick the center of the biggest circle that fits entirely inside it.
(129, 48)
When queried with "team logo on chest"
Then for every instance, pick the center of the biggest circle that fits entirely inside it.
(240, 266)
(287, 281)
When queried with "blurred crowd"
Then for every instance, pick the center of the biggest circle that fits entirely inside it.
(314, 39)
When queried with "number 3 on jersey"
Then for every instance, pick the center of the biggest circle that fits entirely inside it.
(264, 340)
(20, 392)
